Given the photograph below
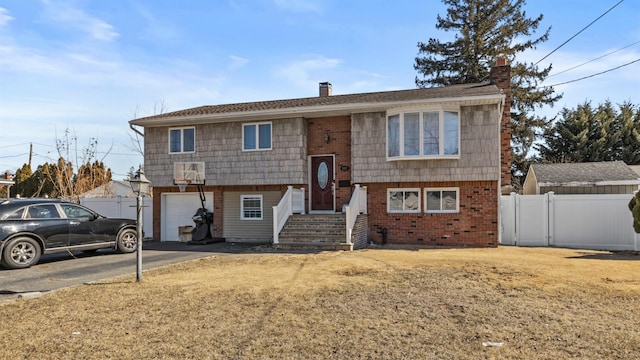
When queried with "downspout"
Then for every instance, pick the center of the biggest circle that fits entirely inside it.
(135, 130)
(500, 109)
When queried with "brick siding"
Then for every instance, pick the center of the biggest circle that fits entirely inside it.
(476, 225)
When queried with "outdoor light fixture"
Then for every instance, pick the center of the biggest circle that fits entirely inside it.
(140, 185)
(326, 137)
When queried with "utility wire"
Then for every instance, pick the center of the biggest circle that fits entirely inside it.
(578, 33)
(592, 60)
(592, 75)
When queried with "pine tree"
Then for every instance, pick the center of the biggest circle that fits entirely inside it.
(486, 30)
(588, 134)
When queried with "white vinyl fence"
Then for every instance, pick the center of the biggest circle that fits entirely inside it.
(598, 222)
(123, 208)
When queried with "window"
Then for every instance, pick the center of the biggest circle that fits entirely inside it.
(182, 140)
(423, 134)
(251, 207)
(403, 200)
(443, 200)
(43, 212)
(76, 212)
(256, 136)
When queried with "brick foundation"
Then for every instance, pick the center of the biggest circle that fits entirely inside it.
(476, 225)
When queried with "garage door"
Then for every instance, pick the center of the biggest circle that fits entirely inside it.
(177, 210)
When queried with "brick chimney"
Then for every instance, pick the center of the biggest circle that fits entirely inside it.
(325, 89)
(500, 75)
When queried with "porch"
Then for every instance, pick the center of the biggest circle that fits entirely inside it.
(293, 228)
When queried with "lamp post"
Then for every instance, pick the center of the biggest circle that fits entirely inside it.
(139, 185)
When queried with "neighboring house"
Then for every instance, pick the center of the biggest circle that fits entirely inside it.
(112, 189)
(432, 161)
(116, 199)
(609, 177)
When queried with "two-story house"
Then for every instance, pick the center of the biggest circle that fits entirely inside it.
(427, 165)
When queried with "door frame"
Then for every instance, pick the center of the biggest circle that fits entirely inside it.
(310, 182)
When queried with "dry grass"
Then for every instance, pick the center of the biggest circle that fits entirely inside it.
(426, 304)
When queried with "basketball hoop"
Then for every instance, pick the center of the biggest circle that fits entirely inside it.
(182, 184)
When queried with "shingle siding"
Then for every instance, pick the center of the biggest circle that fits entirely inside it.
(220, 147)
(479, 151)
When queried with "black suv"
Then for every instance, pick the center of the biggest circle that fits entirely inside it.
(32, 227)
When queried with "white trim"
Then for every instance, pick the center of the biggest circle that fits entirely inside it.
(251, 196)
(181, 140)
(256, 125)
(403, 190)
(442, 189)
(401, 113)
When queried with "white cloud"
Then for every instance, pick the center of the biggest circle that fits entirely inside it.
(4, 17)
(78, 19)
(306, 73)
(299, 5)
(237, 62)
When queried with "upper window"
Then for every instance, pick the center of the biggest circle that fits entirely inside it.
(182, 140)
(441, 200)
(423, 134)
(251, 207)
(403, 200)
(256, 136)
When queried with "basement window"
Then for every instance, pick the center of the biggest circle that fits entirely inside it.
(403, 200)
(441, 200)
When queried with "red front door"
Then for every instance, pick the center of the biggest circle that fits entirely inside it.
(322, 183)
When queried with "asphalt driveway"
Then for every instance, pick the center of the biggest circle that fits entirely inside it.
(58, 271)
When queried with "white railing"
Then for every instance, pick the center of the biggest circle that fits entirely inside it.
(357, 205)
(292, 202)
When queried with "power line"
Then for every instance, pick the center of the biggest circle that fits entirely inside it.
(578, 33)
(592, 60)
(592, 75)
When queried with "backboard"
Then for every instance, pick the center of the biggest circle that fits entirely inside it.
(188, 172)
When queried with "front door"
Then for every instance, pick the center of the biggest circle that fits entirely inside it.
(322, 183)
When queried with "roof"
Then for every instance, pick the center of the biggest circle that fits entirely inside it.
(478, 93)
(111, 189)
(590, 173)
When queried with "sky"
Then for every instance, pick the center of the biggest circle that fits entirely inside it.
(87, 67)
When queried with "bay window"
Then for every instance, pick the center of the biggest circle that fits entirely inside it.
(423, 134)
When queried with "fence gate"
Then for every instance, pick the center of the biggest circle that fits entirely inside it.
(599, 222)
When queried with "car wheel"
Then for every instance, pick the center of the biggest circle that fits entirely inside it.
(20, 253)
(127, 241)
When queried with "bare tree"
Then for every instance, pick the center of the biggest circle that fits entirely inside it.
(136, 138)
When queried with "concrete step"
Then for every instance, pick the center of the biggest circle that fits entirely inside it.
(323, 246)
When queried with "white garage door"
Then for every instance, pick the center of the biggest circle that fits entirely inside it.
(177, 210)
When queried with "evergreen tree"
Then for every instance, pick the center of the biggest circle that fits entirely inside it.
(589, 134)
(486, 30)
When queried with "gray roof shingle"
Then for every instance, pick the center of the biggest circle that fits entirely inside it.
(584, 173)
(452, 91)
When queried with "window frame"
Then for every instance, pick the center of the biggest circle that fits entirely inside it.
(441, 190)
(256, 126)
(182, 129)
(401, 115)
(403, 190)
(242, 207)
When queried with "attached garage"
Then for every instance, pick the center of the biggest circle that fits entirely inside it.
(178, 209)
